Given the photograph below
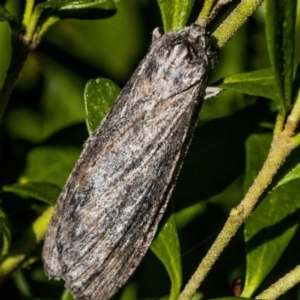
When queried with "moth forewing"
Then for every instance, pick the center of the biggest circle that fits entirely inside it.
(109, 209)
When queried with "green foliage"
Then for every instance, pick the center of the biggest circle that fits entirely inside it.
(99, 96)
(5, 15)
(44, 129)
(166, 248)
(5, 238)
(256, 83)
(271, 227)
(280, 32)
(45, 192)
(175, 13)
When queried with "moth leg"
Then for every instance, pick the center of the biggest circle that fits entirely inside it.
(212, 91)
(157, 33)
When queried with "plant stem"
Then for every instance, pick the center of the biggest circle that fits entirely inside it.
(28, 241)
(234, 21)
(205, 12)
(294, 118)
(281, 147)
(282, 285)
(293, 277)
(28, 12)
(209, 11)
(279, 121)
(20, 50)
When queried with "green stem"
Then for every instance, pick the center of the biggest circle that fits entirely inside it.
(296, 140)
(279, 121)
(205, 12)
(28, 12)
(6, 237)
(234, 21)
(281, 147)
(209, 11)
(47, 24)
(294, 118)
(28, 241)
(31, 28)
(282, 285)
(20, 50)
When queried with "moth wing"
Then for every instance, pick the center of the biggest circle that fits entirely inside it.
(112, 215)
(108, 212)
(171, 66)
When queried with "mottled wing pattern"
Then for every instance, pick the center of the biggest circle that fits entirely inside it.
(108, 212)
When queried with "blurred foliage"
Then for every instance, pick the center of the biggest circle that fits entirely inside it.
(44, 129)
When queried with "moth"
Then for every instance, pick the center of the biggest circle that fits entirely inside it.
(110, 207)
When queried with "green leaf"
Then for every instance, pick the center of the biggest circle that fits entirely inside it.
(257, 147)
(50, 164)
(296, 84)
(21, 282)
(5, 238)
(99, 96)
(257, 83)
(175, 13)
(129, 292)
(59, 107)
(292, 175)
(166, 248)
(208, 162)
(274, 222)
(42, 191)
(280, 31)
(197, 296)
(88, 10)
(80, 9)
(66, 295)
(269, 231)
(187, 214)
(5, 15)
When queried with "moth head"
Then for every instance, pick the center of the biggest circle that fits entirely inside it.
(197, 34)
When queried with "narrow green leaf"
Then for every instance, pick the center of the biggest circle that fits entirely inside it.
(6, 16)
(197, 296)
(292, 175)
(296, 84)
(88, 10)
(166, 248)
(272, 225)
(66, 295)
(269, 231)
(21, 283)
(188, 214)
(257, 83)
(51, 164)
(257, 147)
(129, 292)
(99, 96)
(29, 239)
(42, 191)
(280, 31)
(5, 238)
(80, 9)
(175, 13)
